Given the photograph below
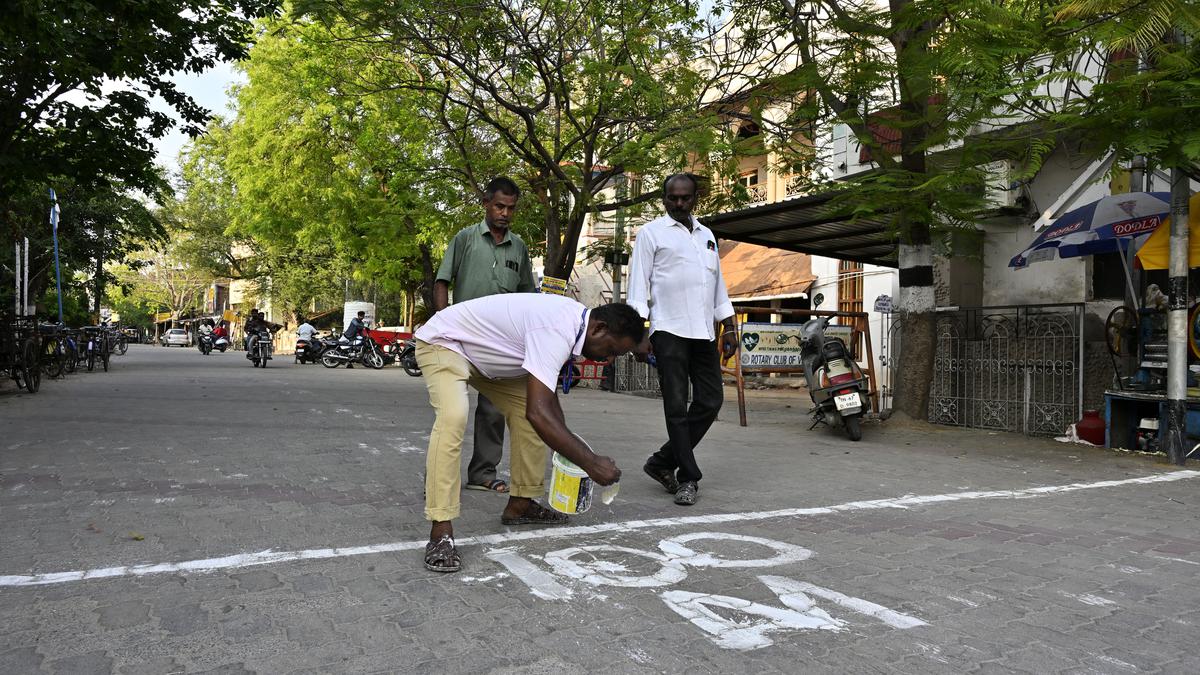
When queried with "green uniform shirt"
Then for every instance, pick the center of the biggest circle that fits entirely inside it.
(475, 265)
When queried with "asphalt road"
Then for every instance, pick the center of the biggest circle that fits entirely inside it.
(184, 513)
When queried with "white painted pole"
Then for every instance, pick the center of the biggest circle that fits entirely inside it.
(25, 289)
(1177, 328)
(17, 280)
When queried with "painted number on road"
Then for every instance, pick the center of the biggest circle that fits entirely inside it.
(668, 566)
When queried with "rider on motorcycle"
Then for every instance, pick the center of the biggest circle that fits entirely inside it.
(355, 333)
(257, 322)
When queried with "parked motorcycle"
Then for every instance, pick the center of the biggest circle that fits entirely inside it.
(835, 382)
(365, 351)
(406, 354)
(205, 343)
(260, 348)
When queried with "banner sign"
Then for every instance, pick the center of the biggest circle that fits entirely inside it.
(162, 316)
(554, 285)
(771, 346)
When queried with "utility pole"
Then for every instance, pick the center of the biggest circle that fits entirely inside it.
(99, 274)
(619, 239)
(1177, 328)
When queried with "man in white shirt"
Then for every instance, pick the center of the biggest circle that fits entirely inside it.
(305, 331)
(675, 281)
(511, 348)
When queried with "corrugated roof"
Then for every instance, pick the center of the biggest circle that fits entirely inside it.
(753, 271)
(809, 225)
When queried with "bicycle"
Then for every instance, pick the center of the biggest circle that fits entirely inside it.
(119, 341)
(97, 347)
(19, 354)
(53, 353)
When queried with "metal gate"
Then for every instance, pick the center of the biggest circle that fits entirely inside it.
(634, 377)
(1010, 368)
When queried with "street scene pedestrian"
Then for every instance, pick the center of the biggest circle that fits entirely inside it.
(910, 289)
(675, 282)
(486, 258)
(511, 348)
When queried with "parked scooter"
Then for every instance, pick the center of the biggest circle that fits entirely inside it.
(221, 343)
(835, 382)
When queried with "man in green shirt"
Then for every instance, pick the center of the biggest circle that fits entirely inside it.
(486, 259)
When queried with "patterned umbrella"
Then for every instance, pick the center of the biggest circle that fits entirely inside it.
(1107, 225)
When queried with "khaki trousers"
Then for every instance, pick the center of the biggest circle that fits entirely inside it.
(447, 374)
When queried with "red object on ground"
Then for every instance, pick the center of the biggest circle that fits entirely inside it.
(384, 337)
(1091, 427)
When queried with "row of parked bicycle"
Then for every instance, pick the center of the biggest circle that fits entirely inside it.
(29, 350)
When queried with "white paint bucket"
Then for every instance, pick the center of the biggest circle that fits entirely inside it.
(570, 488)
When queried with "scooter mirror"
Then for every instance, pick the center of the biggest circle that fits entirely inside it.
(817, 300)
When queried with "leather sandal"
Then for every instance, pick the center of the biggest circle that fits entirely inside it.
(442, 555)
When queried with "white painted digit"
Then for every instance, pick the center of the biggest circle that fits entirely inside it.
(677, 548)
(604, 573)
(729, 634)
(792, 593)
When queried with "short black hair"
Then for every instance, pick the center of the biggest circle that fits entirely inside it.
(622, 320)
(674, 176)
(501, 184)
(362, 312)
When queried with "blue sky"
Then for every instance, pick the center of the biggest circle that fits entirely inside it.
(209, 89)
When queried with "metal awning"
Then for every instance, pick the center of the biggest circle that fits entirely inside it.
(809, 224)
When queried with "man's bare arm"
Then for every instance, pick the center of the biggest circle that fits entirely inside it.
(546, 416)
(441, 295)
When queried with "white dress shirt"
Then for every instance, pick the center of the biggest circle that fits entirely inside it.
(511, 334)
(675, 279)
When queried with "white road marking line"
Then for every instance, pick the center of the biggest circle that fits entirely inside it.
(1163, 557)
(269, 557)
(540, 583)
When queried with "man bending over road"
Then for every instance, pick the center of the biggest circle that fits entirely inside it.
(510, 348)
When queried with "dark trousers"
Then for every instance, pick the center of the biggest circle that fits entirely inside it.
(679, 361)
(489, 442)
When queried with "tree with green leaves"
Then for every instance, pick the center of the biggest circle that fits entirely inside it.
(915, 83)
(157, 280)
(1146, 99)
(579, 92)
(98, 225)
(323, 166)
(76, 84)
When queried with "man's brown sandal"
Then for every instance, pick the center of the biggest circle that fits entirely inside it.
(442, 556)
(535, 514)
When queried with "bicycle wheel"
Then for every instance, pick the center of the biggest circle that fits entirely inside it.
(32, 371)
(122, 346)
(104, 354)
(52, 358)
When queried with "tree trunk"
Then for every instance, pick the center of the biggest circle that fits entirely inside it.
(562, 248)
(917, 304)
(428, 275)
